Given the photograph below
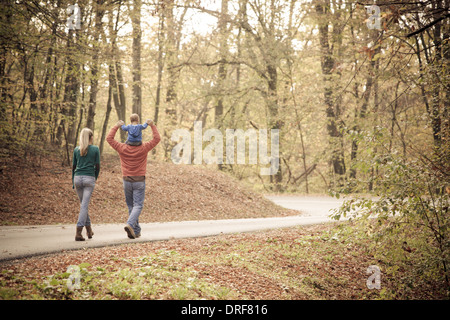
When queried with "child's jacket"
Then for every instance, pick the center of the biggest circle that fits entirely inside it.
(134, 131)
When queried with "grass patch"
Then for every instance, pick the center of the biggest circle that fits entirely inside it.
(315, 262)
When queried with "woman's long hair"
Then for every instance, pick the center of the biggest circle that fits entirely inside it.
(85, 137)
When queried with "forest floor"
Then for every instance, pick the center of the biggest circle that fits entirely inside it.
(311, 262)
(42, 194)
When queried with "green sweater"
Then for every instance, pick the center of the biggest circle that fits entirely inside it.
(88, 165)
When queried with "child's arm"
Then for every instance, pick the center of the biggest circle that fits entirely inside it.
(124, 127)
(145, 125)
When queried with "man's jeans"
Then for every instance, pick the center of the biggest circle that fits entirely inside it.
(84, 186)
(134, 196)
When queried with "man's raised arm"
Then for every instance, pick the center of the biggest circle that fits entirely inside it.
(110, 137)
(156, 138)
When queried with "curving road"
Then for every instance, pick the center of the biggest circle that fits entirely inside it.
(25, 241)
(310, 206)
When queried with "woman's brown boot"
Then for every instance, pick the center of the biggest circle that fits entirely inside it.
(78, 236)
(89, 232)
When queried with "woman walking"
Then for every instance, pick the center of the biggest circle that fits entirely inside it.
(85, 170)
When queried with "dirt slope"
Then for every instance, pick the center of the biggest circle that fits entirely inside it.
(43, 195)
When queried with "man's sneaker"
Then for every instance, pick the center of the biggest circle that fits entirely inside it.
(138, 235)
(130, 232)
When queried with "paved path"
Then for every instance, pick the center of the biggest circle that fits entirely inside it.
(25, 241)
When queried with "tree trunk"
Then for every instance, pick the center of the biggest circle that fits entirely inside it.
(274, 121)
(445, 157)
(121, 108)
(69, 104)
(172, 47)
(108, 108)
(95, 66)
(436, 100)
(160, 66)
(116, 77)
(362, 112)
(332, 110)
(136, 65)
(43, 116)
(222, 73)
(171, 57)
(6, 11)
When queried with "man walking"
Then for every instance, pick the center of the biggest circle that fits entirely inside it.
(133, 160)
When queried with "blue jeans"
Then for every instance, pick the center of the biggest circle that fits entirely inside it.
(84, 186)
(134, 197)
